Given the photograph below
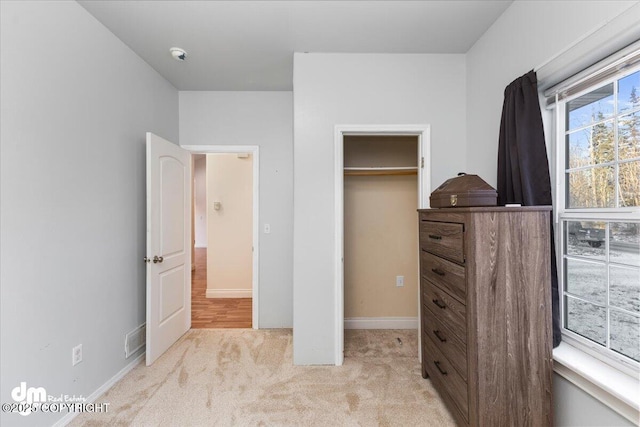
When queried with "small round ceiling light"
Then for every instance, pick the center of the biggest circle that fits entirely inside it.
(178, 54)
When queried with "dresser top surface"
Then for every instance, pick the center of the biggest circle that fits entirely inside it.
(489, 209)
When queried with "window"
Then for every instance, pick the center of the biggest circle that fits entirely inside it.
(599, 212)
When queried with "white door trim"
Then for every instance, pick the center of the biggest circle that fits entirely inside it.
(423, 132)
(255, 152)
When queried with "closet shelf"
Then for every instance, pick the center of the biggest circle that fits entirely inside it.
(358, 171)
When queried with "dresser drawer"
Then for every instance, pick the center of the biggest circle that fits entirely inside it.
(443, 238)
(446, 378)
(450, 345)
(448, 310)
(444, 273)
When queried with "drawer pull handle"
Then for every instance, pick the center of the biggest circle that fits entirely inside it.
(439, 336)
(435, 237)
(438, 303)
(437, 363)
(438, 271)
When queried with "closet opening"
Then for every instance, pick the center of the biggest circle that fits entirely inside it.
(381, 270)
(382, 180)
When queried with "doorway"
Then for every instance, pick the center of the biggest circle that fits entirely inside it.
(225, 239)
(420, 167)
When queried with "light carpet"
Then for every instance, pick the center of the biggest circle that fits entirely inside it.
(244, 377)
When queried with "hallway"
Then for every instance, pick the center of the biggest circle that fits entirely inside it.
(215, 312)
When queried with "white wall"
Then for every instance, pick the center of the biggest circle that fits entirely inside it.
(574, 407)
(263, 119)
(229, 228)
(72, 197)
(527, 35)
(200, 216)
(331, 89)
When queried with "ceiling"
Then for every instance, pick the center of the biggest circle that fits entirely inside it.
(249, 45)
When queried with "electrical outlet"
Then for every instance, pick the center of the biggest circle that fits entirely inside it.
(267, 229)
(76, 355)
(399, 281)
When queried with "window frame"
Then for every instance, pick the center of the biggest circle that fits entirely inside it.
(563, 214)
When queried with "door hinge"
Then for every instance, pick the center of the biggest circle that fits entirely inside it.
(422, 163)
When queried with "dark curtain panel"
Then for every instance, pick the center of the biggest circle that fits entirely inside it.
(523, 168)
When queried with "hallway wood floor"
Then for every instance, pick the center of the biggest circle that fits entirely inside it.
(215, 312)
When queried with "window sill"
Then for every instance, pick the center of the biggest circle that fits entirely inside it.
(615, 389)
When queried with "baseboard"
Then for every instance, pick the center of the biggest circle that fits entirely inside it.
(199, 246)
(381, 323)
(229, 293)
(102, 389)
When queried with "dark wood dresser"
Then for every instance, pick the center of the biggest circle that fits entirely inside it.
(486, 313)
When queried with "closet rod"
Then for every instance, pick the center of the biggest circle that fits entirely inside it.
(353, 171)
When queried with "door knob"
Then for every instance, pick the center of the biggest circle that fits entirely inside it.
(146, 260)
(157, 259)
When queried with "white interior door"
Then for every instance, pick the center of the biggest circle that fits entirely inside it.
(168, 245)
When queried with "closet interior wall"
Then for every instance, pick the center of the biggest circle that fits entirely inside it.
(380, 227)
